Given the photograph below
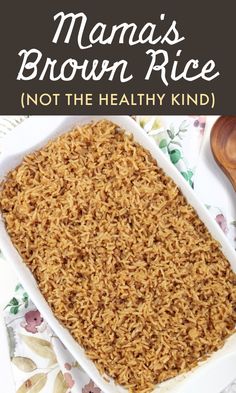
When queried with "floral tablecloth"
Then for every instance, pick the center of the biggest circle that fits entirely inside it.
(40, 362)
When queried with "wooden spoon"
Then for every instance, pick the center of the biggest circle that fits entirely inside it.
(223, 145)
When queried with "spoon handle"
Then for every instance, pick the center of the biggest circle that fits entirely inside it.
(232, 177)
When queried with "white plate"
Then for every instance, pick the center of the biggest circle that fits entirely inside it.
(209, 377)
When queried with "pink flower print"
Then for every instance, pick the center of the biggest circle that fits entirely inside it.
(69, 380)
(33, 320)
(220, 219)
(200, 122)
(67, 366)
(91, 388)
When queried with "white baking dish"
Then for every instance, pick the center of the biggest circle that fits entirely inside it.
(209, 377)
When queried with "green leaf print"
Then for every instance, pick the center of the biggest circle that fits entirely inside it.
(26, 303)
(11, 341)
(171, 134)
(183, 126)
(163, 143)
(19, 286)
(25, 299)
(14, 310)
(185, 175)
(14, 302)
(175, 156)
(233, 223)
(14, 306)
(190, 174)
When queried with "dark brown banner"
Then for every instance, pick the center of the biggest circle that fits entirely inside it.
(125, 57)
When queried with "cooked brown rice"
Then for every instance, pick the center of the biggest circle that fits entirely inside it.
(122, 259)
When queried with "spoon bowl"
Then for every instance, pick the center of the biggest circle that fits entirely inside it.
(223, 146)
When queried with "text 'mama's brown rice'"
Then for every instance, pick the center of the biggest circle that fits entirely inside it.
(122, 259)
